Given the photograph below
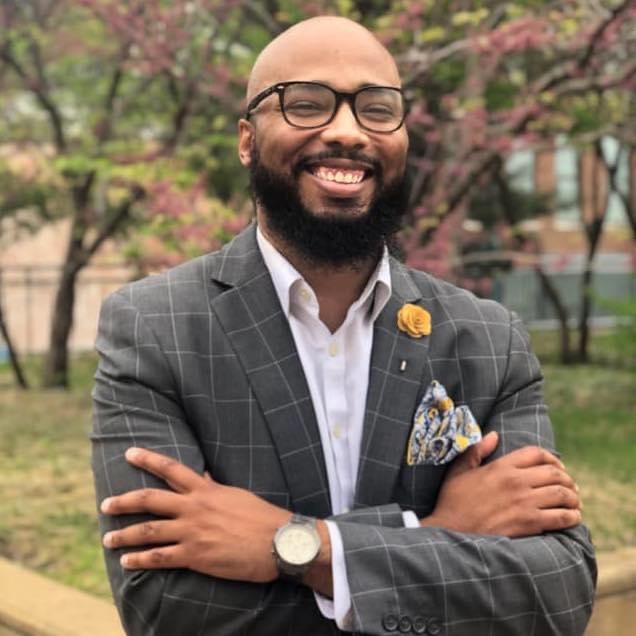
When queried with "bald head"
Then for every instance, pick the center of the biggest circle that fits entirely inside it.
(321, 47)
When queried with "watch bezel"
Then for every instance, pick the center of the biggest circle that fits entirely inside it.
(287, 569)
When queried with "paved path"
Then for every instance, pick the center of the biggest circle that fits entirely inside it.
(614, 616)
(35, 606)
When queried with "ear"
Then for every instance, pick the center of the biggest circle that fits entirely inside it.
(245, 141)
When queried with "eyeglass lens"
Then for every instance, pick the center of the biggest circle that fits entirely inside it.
(312, 105)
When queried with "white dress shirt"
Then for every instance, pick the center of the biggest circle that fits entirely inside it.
(336, 367)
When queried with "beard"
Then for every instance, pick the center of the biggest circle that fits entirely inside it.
(348, 235)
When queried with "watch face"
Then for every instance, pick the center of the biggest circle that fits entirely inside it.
(297, 545)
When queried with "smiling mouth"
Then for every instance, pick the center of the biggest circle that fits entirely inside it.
(338, 175)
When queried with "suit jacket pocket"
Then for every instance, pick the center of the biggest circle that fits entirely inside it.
(418, 486)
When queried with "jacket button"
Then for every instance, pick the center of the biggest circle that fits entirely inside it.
(390, 622)
(405, 624)
(419, 625)
(434, 628)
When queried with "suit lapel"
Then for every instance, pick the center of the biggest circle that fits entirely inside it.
(251, 316)
(392, 395)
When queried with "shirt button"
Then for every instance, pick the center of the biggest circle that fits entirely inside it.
(305, 295)
(337, 431)
(333, 348)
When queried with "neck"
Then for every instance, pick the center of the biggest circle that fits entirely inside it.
(336, 287)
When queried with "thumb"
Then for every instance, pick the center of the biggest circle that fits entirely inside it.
(475, 455)
(208, 477)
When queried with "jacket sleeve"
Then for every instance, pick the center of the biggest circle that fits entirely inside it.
(452, 583)
(136, 403)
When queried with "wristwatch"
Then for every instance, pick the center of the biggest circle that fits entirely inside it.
(295, 547)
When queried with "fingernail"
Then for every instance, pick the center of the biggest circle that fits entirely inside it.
(132, 453)
(108, 540)
(106, 504)
(124, 560)
(576, 487)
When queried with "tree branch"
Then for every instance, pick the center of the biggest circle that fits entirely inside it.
(105, 127)
(38, 90)
(598, 33)
(264, 17)
(116, 220)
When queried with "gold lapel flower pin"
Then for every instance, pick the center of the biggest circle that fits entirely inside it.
(414, 320)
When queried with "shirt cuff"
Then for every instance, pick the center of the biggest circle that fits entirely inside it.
(339, 608)
(410, 519)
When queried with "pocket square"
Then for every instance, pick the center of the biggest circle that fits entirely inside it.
(441, 430)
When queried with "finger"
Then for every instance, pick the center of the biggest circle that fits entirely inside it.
(147, 533)
(533, 456)
(163, 503)
(559, 519)
(170, 556)
(475, 455)
(488, 445)
(178, 476)
(555, 497)
(548, 475)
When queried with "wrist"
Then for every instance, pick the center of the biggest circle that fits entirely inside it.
(319, 576)
(430, 522)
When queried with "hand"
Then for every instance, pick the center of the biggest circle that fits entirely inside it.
(524, 493)
(207, 527)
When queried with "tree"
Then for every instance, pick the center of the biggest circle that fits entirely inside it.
(138, 102)
(122, 93)
(491, 78)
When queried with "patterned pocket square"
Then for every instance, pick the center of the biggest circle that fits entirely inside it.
(441, 430)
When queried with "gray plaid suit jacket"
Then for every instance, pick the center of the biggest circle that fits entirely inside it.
(199, 363)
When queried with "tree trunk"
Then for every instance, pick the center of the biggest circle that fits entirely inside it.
(586, 308)
(594, 188)
(561, 311)
(78, 255)
(521, 239)
(13, 356)
(593, 235)
(56, 364)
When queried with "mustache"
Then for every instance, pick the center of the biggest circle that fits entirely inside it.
(350, 155)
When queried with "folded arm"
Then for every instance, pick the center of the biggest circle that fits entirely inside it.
(503, 551)
(136, 404)
(437, 569)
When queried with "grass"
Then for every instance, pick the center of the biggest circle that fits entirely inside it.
(47, 509)
(592, 411)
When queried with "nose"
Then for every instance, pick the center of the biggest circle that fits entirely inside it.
(344, 129)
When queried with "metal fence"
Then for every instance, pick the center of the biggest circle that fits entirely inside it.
(613, 280)
(27, 293)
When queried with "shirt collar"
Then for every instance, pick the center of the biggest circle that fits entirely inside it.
(375, 294)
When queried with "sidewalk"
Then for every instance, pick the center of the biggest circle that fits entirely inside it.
(32, 605)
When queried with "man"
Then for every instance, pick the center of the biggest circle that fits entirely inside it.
(283, 374)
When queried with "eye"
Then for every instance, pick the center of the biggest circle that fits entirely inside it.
(378, 112)
(303, 105)
(304, 108)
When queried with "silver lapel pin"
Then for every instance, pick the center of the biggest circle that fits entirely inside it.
(403, 365)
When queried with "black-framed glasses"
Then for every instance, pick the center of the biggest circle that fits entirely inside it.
(312, 105)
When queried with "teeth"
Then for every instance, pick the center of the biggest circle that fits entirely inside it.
(339, 176)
